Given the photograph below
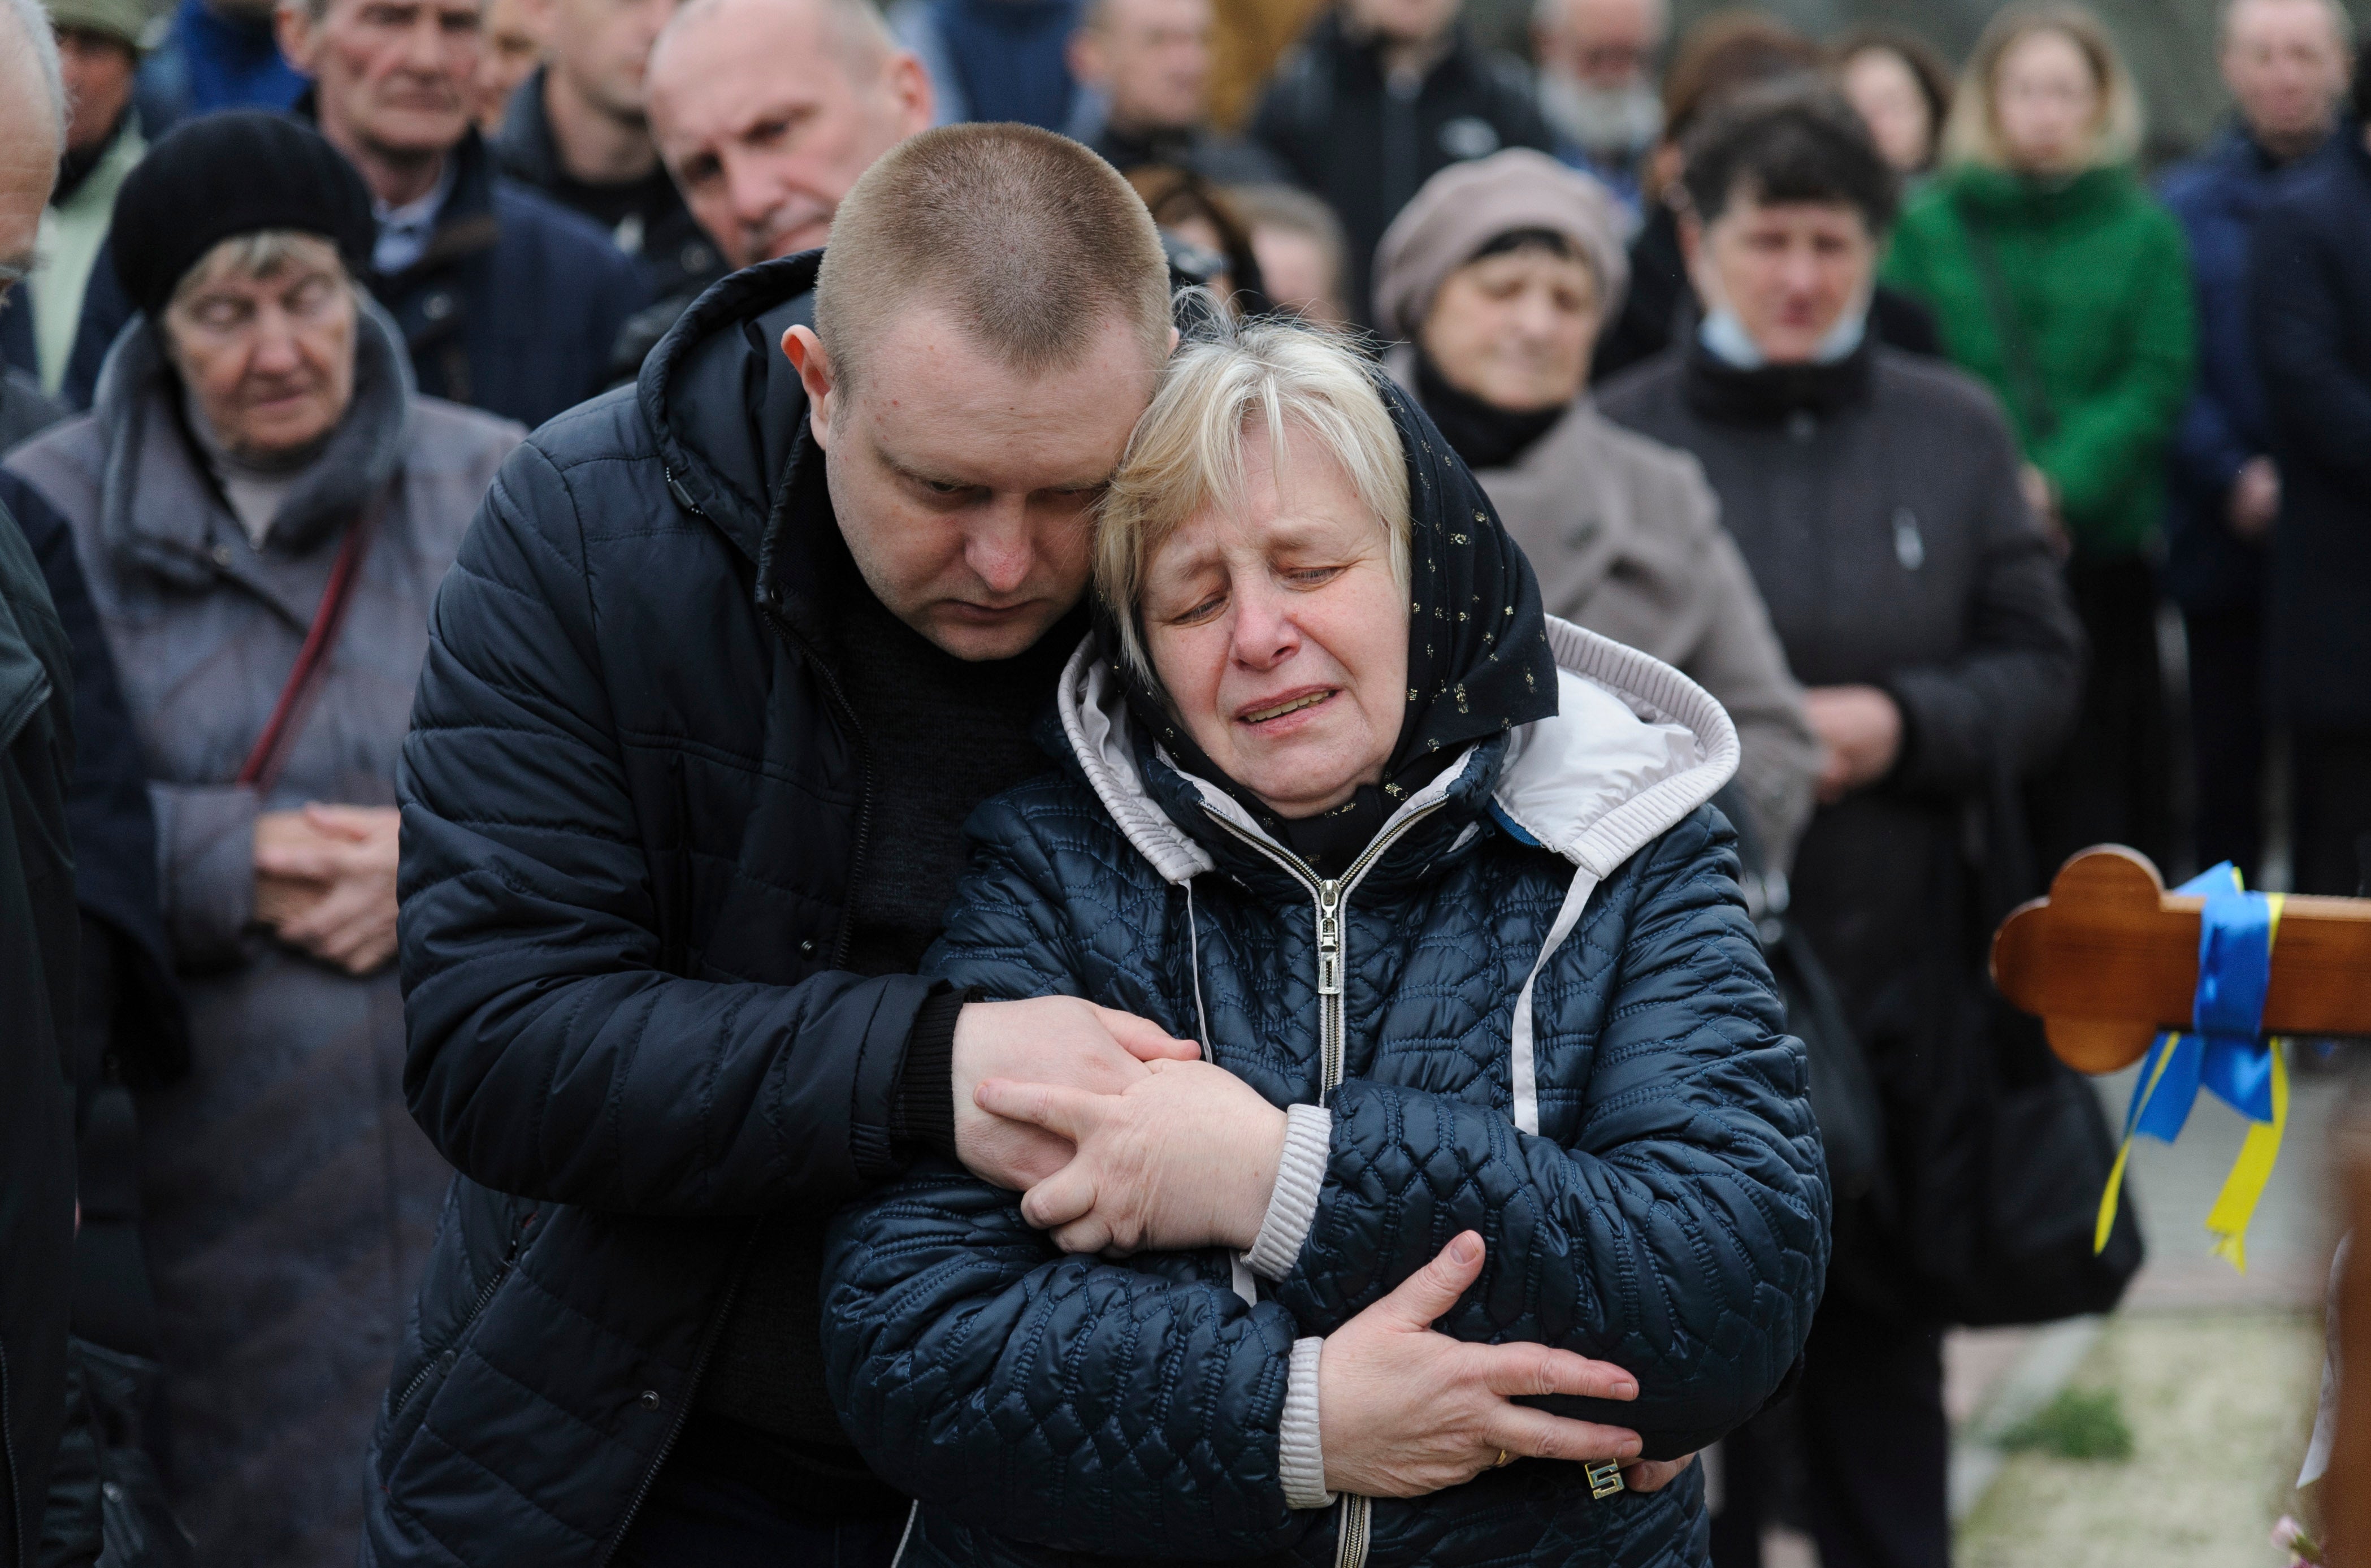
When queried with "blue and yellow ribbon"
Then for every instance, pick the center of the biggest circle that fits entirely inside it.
(2225, 1052)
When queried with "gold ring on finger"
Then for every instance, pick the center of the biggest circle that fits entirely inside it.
(1505, 1458)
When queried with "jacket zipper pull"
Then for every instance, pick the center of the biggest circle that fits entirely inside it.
(1329, 939)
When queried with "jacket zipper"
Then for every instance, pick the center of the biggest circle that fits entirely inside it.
(838, 696)
(765, 596)
(485, 1294)
(1331, 893)
(1350, 1540)
(683, 1406)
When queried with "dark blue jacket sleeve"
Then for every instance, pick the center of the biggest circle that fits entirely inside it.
(1078, 1404)
(1682, 1235)
(551, 1055)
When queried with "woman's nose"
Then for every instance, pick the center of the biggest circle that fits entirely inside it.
(1265, 634)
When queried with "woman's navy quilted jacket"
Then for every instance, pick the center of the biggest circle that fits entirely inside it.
(1669, 1214)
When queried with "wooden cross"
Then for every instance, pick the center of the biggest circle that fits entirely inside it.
(2109, 960)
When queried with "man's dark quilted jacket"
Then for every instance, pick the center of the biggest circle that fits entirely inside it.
(1669, 1214)
(630, 804)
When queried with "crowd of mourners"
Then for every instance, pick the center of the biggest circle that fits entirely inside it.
(1263, 828)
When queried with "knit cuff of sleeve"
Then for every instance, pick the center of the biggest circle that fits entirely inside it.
(1292, 1207)
(923, 1117)
(1300, 1460)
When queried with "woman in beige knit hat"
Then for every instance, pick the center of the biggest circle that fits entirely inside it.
(1498, 277)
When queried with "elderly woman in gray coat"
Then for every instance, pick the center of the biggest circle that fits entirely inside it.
(265, 510)
(1498, 276)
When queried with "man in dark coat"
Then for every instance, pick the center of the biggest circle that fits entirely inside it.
(1874, 495)
(38, 922)
(710, 691)
(506, 300)
(1383, 94)
(577, 132)
(2310, 308)
(2285, 61)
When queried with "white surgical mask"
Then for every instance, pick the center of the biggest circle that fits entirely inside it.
(1725, 338)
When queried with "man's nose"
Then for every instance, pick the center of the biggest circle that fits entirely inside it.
(999, 546)
(423, 45)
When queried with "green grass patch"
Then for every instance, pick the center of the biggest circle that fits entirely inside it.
(2080, 1423)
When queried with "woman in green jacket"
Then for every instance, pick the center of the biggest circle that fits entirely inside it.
(2057, 278)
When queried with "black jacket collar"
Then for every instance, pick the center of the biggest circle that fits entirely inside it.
(1774, 394)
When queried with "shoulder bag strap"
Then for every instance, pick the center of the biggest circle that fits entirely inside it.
(263, 766)
(2025, 379)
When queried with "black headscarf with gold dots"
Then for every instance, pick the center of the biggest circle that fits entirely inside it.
(1478, 658)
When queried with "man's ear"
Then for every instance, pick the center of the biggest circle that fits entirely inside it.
(910, 85)
(1697, 262)
(804, 350)
(293, 29)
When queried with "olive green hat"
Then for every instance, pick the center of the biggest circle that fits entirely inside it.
(124, 20)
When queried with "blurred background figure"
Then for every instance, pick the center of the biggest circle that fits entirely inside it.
(514, 30)
(1497, 276)
(1208, 236)
(257, 465)
(505, 299)
(1144, 66)
(765, 112)
(994, 59)
(44, 333)
(1298, 242)
(216, 54)
(2286, 64)
(578, 131)
(1720, 57)
(2059, 280)
(2310, 314)
(1875, 496)
(1597, 65)
(1901, 89)
(1382, 96)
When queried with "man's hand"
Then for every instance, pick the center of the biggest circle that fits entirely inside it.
(2255, 498)
(325, 881)
(1186, 1156)
(1048, 1040)
(1402, 1411)
(1860, 737)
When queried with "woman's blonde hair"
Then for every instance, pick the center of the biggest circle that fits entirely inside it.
(1293, 379)
(1973, 133)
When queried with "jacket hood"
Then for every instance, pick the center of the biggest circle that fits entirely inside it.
(148, 452)
(1634, 746)
(725, 408)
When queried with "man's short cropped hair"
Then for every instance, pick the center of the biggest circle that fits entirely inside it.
(1028, 239)
(1789, 140)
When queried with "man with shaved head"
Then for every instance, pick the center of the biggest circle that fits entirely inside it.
(727, 660)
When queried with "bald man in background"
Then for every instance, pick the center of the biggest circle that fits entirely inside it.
(765, 112)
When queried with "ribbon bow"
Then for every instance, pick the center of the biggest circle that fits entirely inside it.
(2225, 1052)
